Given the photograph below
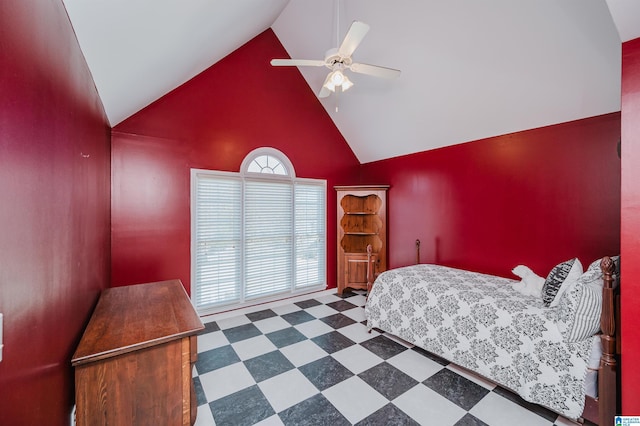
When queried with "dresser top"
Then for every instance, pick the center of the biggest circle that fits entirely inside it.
(135, 317)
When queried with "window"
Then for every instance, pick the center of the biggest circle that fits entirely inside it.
(257, 233)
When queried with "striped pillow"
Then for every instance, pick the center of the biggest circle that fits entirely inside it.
(580, 306)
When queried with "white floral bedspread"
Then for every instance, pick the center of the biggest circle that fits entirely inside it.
(479, 322)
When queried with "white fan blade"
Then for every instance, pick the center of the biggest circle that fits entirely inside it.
(297, 62)
(353, 38)
(375, 70)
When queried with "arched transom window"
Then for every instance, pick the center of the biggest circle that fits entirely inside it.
(267, 161)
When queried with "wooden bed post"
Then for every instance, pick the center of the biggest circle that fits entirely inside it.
(417, 252)
(607, 379)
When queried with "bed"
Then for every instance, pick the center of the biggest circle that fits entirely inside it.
(561, 357)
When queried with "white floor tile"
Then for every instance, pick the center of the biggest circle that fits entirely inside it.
(204, 416)
(357, 359)
(250, 348)
(321, 311)
(313, 328)
(358, 332)
(302, 353)
(356, 314)
(329, 298)
(225, 381)
(285, 309)
(271, 421)
(498, 411)
(227, 323)
(359, 300)
(271, 324)
(415, 365)
(355, 399)
(287, 389)
(563, 421)
(428, 407)
(211, 340)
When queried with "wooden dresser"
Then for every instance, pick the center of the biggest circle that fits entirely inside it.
(133, 365)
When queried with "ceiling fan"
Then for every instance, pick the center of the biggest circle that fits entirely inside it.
(339, 59)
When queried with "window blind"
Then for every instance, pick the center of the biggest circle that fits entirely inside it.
(310, 233)
(268, 237)
(218, 239)
(254, 237)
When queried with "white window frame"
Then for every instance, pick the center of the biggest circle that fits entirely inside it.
(246, 177)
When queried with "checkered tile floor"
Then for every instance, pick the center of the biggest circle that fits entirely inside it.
(312, 362)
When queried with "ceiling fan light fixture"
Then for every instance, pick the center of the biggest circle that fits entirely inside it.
(346, 84)
(329, 85)
(337, 79)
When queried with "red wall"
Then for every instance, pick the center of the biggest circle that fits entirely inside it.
(535, 197)
(212, 122)
(54, 208)
(630, 239)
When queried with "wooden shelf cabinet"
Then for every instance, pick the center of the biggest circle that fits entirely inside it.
(362, 216)
(133, 365)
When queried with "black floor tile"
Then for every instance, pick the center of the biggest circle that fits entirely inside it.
(200, 396)
(341, 305)
(538, 409)
(304, 304)
(386, 416)
(333, 342)
(246, 407)
(260, 315)
(384, 347)
(210, 327)
(316, 410)
(286, 337)
(297, 317)
(325, 372)
(265, 366)
(388, 380)
(469, 420)
(457, 389)
(346, 294)
(216, 358)
(241, 332)
(337, 321)
(431, 356)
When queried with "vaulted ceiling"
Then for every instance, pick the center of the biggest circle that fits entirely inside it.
(470, 69)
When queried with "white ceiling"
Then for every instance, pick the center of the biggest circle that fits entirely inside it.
(469, 69)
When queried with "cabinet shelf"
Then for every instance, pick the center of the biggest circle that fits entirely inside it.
(360, 233)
